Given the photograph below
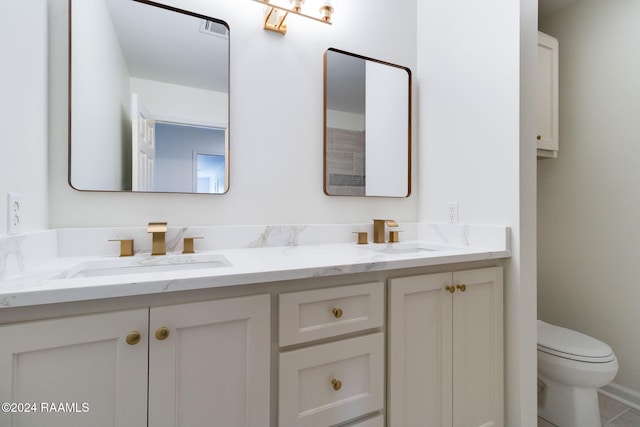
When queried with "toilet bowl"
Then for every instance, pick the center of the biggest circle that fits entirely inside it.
(571, 368)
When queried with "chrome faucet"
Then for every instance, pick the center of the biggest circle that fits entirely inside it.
(159, 231)
(378, 229)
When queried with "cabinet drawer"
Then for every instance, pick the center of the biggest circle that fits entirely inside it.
(331, 383)
(323, 313)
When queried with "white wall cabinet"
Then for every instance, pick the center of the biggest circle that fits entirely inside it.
(547, 96)
(445, 349)
(206, 364)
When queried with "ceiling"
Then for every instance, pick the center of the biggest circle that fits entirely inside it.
(162, 45)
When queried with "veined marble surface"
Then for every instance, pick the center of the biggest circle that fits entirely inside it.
(35, 269)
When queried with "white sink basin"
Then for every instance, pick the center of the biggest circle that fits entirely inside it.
(145, 264)
(403, 248)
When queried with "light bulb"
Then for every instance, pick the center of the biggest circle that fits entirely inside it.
(297, 5)
(326, 10)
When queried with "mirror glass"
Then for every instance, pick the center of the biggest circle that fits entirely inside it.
(367, 118)
(149, 98)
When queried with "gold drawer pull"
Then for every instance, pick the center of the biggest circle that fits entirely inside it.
(451, 288)
(162, 333)
(539, 137)
(462, 287)
(133, 338)
(337, 313)
(336, 384)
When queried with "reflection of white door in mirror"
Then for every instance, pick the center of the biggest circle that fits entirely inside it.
(387, 130)
(143, 145)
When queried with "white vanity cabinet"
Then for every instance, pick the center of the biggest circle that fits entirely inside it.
(196, 364)
(209, 363)
(547, 96)
(82, 360)
(339, 379)
(445, 349)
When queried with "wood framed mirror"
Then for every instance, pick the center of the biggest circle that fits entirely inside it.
(367, 126)
(148, 88)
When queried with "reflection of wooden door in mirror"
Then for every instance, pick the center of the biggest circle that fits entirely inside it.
(143, 132)
(367, 117)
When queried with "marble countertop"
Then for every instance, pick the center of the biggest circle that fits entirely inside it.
(51, 280)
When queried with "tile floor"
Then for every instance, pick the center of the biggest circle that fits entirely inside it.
(612, 414)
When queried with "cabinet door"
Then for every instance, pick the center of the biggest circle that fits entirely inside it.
(77, 371)
(547, 94)
(478, 348)
(419, 351)
(213, 367)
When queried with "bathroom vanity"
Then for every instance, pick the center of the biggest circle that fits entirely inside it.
(278, 335)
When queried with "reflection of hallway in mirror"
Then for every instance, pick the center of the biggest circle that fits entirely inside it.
(182, 149)
(209, 173)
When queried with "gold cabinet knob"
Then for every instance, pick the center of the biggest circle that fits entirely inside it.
(539, 137)
(133, 338)
(450, 288)
(336, 384)
(162, 333)
(337, 313)
(462, 287)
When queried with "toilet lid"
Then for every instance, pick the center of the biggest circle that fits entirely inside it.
(572, 344)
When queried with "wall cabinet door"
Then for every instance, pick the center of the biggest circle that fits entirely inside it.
(209, 363)
(547, 96)
(445, 349)
(83, 363)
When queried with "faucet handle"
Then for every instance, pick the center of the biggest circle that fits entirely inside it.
(394, 236)
(362, 237)
(188, 245)
(126, 246)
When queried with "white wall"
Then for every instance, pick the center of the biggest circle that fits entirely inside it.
(276, 124)
(100, 74)
(182, 104)
(477, 115)
(175, 149)
(23, 110)
(588, 199)
(343, 120)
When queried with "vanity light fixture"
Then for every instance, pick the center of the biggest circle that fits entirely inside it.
(275, 15)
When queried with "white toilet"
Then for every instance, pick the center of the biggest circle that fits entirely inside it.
(571, 368)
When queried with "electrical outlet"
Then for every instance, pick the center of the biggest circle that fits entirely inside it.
(453, 212)
(14, 213)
